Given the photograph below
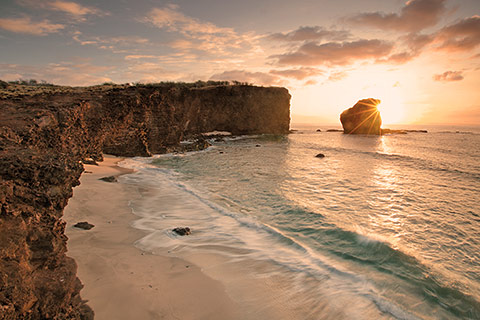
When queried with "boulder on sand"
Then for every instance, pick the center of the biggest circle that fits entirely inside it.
(182, 231)
(362, 118)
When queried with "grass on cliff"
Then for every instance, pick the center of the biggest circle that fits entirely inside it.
(32, 87)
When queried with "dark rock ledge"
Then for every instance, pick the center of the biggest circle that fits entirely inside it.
(44, 137)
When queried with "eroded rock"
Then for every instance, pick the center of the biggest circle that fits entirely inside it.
(362, 118)
(109, 179)
(84, 225)
(182, 231)
(90, 161)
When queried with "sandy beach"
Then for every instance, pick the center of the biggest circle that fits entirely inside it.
(121, 281)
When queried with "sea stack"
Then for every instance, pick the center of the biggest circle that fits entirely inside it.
(362, 118)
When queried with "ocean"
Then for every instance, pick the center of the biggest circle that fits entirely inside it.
(382, 227)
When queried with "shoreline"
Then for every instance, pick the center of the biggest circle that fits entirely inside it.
(121, 281)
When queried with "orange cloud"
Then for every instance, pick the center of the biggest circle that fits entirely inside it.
(310, 82)
(201, 35)
(461, 36)
(449, 76)
(337, 76)
(310, 33)
(172, 19)
(115, 44)
(416, 15)
(335, 53)
(67, 73)
(261, 78)
(74, 9)
(298, 74)
(26, 25)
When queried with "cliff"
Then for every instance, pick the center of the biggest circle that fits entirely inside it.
(46, 133)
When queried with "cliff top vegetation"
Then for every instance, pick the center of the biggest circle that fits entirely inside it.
(30, 87)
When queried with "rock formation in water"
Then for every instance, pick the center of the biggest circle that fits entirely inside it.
(362, 118)
(45, 133)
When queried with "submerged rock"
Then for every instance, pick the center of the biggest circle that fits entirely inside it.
(109, 179)
(199, 143)
(418, 131)
(84, 225)
(182, 231)
(319, 130)
(393, 131)
(320, 155)
(362, 118)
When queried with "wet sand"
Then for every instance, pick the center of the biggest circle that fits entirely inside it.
(121, 281)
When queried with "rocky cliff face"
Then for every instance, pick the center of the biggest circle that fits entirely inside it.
(44, 135)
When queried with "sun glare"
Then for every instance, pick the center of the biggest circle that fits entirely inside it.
(392, 108)
(391, 111)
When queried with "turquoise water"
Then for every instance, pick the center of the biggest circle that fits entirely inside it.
(382, 227)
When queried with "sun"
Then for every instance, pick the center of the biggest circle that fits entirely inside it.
(392, 112)
(392, 109)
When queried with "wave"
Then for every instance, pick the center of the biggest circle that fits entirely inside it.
(384, 258)
(283, 247)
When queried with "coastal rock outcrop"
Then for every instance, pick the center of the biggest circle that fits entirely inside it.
(46, 134)
(362, 118)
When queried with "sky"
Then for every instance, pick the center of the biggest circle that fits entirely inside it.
(420, 57)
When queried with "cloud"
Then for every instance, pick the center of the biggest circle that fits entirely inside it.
(201, 35)
(183, 44)
(80, 73)
(260, 78)
(298, 74)
(412, 45)
(309, 34)
(337, 76)
(139, 57)
(172, 19)
(416, 15)
(449, 76)
(111, 43)
(416, 42)
(310, 82)
(71, 8)
(335, 53)
(461, 36)
(398, 58)
(150, 71)
(26, 25)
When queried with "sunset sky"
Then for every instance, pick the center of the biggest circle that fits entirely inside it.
(421, 57)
